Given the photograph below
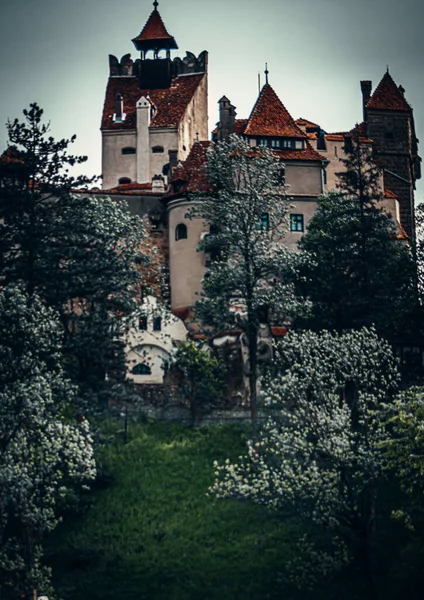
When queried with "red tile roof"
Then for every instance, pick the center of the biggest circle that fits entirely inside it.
(170, 103)
(12, 156)
(359, 129)
(270, 117)
(195, 167)
(279, 331)
(126, 189)
(305, 123)
(240, 126)
(179, 174)
(389, 194)
(154, 29)
(307, 154)
(387, 96)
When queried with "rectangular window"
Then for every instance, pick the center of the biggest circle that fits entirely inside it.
(324, 176)
(262, 142)
(264, 225)
(157, 324)
(296, 222)
(142, 323)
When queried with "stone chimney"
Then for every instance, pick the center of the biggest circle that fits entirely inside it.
(366, 87)
(227, 116)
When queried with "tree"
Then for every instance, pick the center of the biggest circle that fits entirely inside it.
(81, 255)
(42, 454)
(322, 458)
(200, 377)
(247, 209)
(355, 271)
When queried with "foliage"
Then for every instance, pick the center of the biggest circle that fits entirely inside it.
(405, 454)
(41, 453)
(247, 210)
(356, 272)
(200, 377)
(81, 255)
(322, 457)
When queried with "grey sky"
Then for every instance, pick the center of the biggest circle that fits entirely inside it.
(55, 52)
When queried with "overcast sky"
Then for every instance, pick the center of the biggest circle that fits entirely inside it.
(55, 53)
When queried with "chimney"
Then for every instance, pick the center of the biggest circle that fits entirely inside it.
(118, 117)
(366, 87)
(227, 116)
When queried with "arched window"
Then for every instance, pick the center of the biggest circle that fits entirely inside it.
(157, 149)
(141, 369)
(128, 150)
(181, 232)
(124, 180)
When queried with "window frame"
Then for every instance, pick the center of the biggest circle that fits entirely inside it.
(181, 227)
(297, 223)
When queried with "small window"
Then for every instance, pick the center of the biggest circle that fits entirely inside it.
(124, 180)
(141, 369)
(181, 232)
(157, 149)
(157, 324)
(128, 150)
(142, 323)
(264, 222)
(262, 142)
(324, 176)
(296, 222)
(275, 143)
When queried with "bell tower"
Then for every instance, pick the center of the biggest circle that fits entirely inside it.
(155, 72)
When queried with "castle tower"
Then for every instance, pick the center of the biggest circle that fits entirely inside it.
(155, 108)
(390, 124)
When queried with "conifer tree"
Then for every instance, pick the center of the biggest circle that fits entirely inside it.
(355, 270)
(80, 254)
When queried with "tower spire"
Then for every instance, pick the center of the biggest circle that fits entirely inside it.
(266, 73)
(156, 4)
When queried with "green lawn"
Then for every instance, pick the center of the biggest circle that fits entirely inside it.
(154, 534)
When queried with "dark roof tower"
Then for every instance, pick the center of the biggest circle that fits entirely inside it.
(154, 36)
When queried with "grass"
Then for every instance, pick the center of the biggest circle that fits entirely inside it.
(155, 534)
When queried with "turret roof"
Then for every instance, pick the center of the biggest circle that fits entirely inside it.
(154, 30)
(387, 96)
(270, 117)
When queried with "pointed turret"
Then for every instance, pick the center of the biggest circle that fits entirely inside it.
(270, 117)
(388, 96)
(154, 35)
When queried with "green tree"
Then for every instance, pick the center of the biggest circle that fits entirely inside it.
(247, 209)
(322, 457)
(42, 454)
(356, 271)
(82, 255)
(200, 377)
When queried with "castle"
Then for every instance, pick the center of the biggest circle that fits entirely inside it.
(155, 134)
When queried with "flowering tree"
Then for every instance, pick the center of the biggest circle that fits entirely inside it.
(247, 209)
(42, 454)
(322, 457)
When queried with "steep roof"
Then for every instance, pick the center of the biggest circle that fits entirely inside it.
(270, 117)
(170, 103)
(154, 30)
(387, 96)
